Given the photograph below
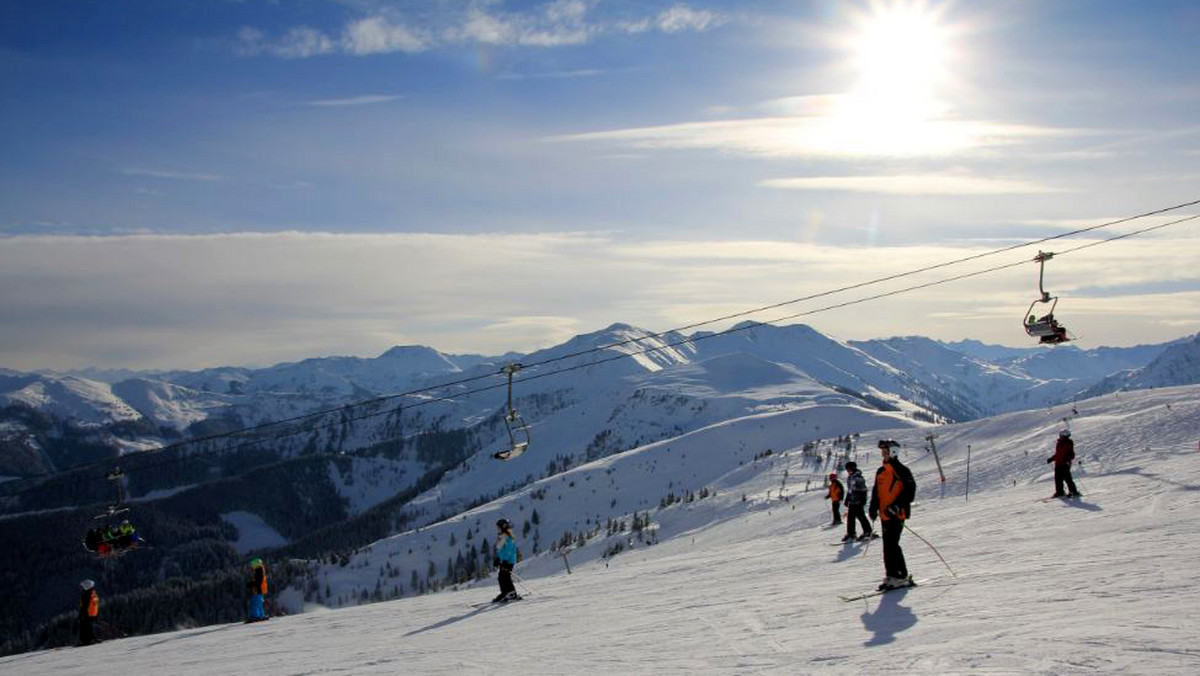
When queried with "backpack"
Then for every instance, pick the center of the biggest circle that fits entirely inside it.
(858, 489)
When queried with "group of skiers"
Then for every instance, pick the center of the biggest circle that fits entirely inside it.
(89, 601)
(892, 497)
(890, 503)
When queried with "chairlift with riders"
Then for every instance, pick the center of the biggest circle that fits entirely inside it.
(109, 541)
(1045, 328)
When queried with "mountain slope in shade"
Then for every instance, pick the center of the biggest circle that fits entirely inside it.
(1177, 365)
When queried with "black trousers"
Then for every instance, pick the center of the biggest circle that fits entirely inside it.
(837, 511)
(1062, 474)
(87, 635)
(893, 556)
(856, 514)
(505, 576)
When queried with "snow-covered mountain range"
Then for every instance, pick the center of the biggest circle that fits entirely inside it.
(671, 384)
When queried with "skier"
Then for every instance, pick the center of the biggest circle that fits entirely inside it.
(257, 585)
(1064, 454)
(856, 504)
(505, 559)
(891, 500)
(89, 608)
(834, 496)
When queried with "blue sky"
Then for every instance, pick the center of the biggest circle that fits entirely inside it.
(194, 183)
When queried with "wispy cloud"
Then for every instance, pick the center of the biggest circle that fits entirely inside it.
(388, 31)
(364, 100)
(676, 19)
(552, 75)
(829, 137)
(171, 174)
(912, 184)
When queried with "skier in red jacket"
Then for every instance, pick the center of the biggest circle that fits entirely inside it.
(1064, 454)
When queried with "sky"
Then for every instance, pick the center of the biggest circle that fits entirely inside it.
(228, 182)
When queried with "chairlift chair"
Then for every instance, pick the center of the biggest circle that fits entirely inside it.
(518, 429)
(1045, 328)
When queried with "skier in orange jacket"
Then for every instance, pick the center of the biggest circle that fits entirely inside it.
(891, 500)
(834, 496)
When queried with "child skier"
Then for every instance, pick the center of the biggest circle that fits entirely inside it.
(856, 503)
(505, 559)
(257, 584)
(1064, 454)
(891, 500)
(834, 496)
(89, 608)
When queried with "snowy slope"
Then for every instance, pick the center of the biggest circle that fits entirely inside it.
(169, 405)
(69, 398)
(1098, 586)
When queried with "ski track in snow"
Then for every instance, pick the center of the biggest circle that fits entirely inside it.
(1102, 585)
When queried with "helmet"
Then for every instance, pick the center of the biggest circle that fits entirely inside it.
(502, 524)
(86, 585)
(1065, 434)
(889, 443)
(851, 466)
(833, 475)
(256, 562)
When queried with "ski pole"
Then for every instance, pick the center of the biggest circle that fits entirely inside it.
(935, 551)
(521, 582)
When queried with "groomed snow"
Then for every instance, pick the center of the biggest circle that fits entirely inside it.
(1104, 585)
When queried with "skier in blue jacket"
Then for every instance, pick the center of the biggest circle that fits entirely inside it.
(506, 558)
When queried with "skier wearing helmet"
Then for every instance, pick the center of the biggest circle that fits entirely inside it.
(257, 585)
(89, 608)
(505, 559)
(834, 496)
(892, 500)
(1064, 455)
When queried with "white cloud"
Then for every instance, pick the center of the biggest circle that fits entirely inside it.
(182, 301)
(683, 18)
(557, 23)
(363, 100)
(377, 35)
(912, 184)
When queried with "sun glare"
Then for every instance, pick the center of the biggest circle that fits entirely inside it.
(899, 55)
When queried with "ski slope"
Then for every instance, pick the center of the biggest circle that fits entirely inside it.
(1104, 585)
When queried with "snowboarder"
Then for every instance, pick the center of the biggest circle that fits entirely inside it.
(856, 503)
(505, 559)
(1064, 455)
(89, 608)
(834, 496)
(891, 500)
(257, 585)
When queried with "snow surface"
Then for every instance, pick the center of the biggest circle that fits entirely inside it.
(253, 532)
(1103, 585)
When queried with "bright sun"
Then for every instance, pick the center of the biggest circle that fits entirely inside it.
(899, 54)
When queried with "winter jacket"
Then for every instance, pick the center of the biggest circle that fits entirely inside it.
(89, 603)
(858, 489)
(258, 585)
(894, 488)
(506, 549)
(1064, 452)
(836, 491)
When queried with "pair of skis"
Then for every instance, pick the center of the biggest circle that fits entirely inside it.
(880, 592)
